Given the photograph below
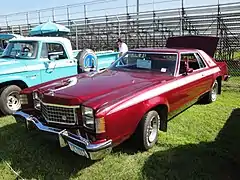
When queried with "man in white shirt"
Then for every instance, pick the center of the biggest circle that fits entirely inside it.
(122, 47)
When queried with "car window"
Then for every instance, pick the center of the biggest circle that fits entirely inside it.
(200, 61)
(157, 62)
(53, 49)
(194, 61)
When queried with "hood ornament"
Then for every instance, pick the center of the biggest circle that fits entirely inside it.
(51, 92)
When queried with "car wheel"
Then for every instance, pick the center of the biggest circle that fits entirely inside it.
(148, 130)
(211, 96)
(214, 92)
(9, 99)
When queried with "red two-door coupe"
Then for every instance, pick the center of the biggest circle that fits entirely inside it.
(137, 95)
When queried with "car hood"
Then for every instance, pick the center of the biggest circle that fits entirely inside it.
(8, 66)
(101, 88)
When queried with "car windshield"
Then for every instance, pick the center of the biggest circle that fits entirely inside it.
(21, 49)
(147, 61)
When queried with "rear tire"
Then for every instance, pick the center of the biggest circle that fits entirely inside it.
(9, 100)
(147, 131)
(211, 96)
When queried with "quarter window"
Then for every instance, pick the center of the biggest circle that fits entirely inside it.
(200, 61)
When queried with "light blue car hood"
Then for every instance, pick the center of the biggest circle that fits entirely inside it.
(8, 66)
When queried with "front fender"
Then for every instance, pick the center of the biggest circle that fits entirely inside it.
(122, 121)
(8, 78)
(154, 102)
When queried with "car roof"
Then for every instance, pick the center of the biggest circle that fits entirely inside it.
(24, 38)
(159, 49)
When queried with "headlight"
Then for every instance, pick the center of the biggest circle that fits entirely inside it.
(35, 95)
(88, 117)
(89, 120)
(36, 102)
(23, 99)
(86, 111)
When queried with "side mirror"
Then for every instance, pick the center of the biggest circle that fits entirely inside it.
(186, 67)
(53, 57)
(189, 70)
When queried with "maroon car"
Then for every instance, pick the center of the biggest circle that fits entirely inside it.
(137, 95)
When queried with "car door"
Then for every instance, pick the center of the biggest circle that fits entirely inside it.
(190, 86)
(206, 80)
(56, 61)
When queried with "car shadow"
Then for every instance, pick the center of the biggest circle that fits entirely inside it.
(35, 156)
(218, 160)
(129, 146)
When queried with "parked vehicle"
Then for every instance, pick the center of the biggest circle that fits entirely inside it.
(136, 96)
(4, 38)
(28, 61)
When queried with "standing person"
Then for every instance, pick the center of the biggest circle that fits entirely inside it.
(123, 48)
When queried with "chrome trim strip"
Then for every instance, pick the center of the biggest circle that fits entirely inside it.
(95, 147)
(58, 105)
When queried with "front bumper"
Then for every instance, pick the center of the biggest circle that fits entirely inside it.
(76, 143)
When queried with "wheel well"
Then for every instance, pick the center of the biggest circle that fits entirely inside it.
(18, 83)
(162, 111)
(219, 80)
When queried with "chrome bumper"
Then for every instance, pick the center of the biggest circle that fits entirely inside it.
(76, 143)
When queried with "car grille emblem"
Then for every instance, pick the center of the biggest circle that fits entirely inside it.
(64, 118)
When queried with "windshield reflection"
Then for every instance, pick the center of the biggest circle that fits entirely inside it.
(147, 61)
(21, 49)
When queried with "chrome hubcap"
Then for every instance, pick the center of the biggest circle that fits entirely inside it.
(152, 129)
(13, 102)
(214, 92)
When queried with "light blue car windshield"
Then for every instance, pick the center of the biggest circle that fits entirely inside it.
(21, 49)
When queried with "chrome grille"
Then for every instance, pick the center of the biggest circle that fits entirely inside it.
(59, 114)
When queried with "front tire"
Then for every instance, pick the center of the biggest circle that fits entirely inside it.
(147, 131)
(9, 100)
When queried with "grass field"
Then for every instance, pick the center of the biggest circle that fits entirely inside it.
(201, 143)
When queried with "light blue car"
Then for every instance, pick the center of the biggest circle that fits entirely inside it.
(28, 61)
(4, 38)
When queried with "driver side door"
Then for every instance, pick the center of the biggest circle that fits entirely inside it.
(56, 62)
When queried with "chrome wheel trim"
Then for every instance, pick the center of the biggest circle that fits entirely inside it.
(152, 129)
(214, 92)
(13, 101)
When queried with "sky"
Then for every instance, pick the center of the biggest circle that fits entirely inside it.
(28, 5)
(92, 10)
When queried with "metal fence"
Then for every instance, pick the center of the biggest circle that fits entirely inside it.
(143, 25)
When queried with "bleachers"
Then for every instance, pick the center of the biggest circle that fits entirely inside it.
(149, 29)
